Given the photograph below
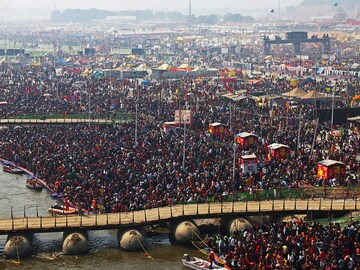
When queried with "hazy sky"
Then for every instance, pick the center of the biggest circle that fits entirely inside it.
(199, 6)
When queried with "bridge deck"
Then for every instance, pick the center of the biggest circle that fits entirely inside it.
(166, 214)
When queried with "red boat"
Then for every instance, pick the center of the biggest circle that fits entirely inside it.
(33, 184)
(61, 210)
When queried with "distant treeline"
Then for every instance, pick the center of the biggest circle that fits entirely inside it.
(343, 3)
(86, 15)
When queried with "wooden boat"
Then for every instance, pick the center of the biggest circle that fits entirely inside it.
(198, 264)
(11, 169)
(33, 184)
(60, 210)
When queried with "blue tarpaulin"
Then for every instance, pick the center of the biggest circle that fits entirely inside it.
(320, 70)
(145, 82)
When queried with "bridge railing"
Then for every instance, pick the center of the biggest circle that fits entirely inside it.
(70, 118)
(299, 194)
(164, 214)
(289, 193)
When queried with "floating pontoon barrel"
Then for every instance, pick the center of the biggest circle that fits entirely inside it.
(185, 232)
(17, 246)
(75, 244)
(131, 240)
(237, 225)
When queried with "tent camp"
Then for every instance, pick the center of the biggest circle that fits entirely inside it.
(21, 59)
(314, 95)
(164, 67)
(296, 92)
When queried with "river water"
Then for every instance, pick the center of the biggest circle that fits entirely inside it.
(104, 250)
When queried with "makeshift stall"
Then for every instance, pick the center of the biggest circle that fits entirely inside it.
(279, 151)
(328, 169)
(294, 81)
(169, 127)
(218, 129)
(248, 163)
(246, 139)
(183, 117)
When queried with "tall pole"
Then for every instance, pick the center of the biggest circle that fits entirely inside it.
(278, 10)
(230, 117)
(89, 100)
(189, 14)
(314, 139)
(136, 114)
(332, 111)
(136, 122)
(89, 109)
(57, 86)
(184, 146)
(271, 113)
(299, 131)
(234, 165)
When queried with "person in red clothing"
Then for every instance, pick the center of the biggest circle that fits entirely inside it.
(94, 205)
(66, 204)
(211, 259)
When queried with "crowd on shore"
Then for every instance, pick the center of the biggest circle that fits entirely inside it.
(102, 167)
(292, 245)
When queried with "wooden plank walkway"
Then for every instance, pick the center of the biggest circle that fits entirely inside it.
(173, 213)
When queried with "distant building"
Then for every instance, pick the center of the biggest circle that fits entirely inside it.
(121, 18)
(307, 11)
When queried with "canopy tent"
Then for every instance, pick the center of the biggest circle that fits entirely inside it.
(296, 92)
(294, 81)
(198, 68)
(141, 67)
(21, 59)
(5, 60)
(36, 64)
(313, 95)
(184, 66)
(123, 67)
(164, 67)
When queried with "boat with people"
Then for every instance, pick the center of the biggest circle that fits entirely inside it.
(33, 184)
(62, 210)
(11, 169)
(199, 264)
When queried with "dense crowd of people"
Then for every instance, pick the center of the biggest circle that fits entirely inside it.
(101, 168)
(293, 245)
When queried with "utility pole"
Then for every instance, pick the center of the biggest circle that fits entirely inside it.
(278, 10)
(93, 90)
(299, 131)
(136, 113)
(189, 14)
(332, 110)
(314, 139)
(230, 118)
(234, 165)
(184, 147)
(136, 122)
